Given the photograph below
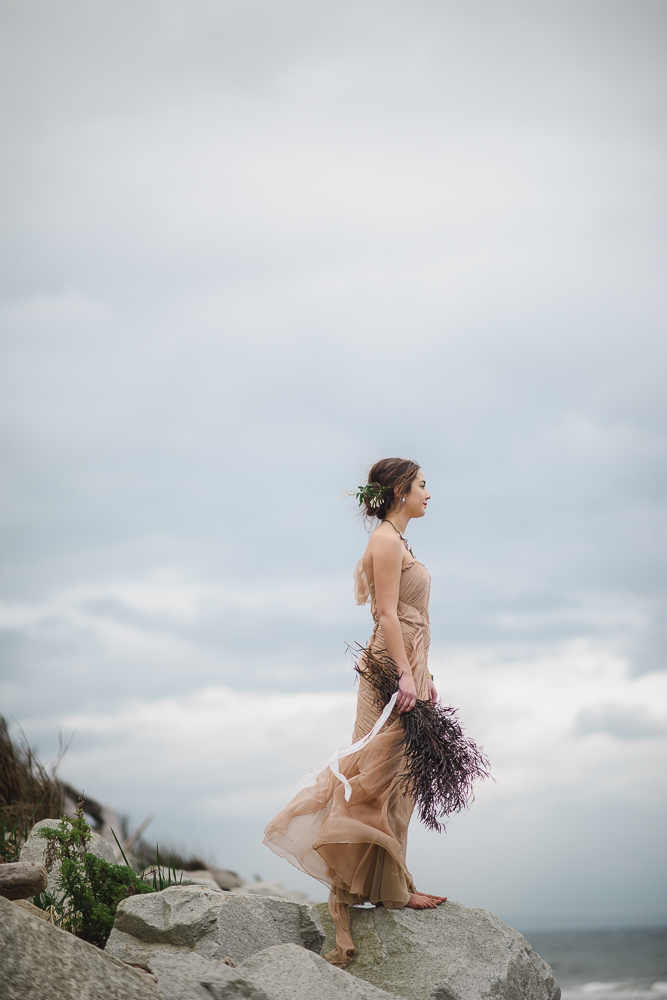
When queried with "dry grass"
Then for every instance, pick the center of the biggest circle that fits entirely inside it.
(441, 763)
(28, 791)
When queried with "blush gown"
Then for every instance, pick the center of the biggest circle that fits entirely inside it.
(357, 848)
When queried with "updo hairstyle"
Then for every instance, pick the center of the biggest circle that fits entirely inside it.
(397, 475)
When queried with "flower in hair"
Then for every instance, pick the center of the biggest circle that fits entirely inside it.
(370, 493)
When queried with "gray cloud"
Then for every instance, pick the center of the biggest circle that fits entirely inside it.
(624, 722)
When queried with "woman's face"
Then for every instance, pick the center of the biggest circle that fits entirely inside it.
(417, 498)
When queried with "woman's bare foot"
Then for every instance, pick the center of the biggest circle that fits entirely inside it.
(419, 901)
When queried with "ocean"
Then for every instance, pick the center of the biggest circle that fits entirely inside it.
(623, 964)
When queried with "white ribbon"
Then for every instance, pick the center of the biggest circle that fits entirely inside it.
(337, 755)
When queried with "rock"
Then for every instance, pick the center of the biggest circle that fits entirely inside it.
(271, 889)
(180, 876)
(35, 846)
(226, 879)
(231, 987)
(22, 879)
(31, 908)
(450, 953)
(201, 875)
(183, 933)
(178, 969)
(218, 876)
(286, 972)
(42, 962)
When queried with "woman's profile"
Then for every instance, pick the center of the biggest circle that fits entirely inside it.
(349, 829)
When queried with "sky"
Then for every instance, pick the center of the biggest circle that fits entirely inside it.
(248, 249)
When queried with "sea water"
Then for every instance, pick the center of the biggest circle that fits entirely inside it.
(628, 964)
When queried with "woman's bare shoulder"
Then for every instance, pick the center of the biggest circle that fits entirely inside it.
(383, 542)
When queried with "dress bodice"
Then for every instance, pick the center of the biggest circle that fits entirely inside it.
(413, 593)
(412, 611)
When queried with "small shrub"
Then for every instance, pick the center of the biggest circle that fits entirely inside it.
(91, 888)
(94, 887)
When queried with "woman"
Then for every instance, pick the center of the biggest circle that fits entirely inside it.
(352, 835)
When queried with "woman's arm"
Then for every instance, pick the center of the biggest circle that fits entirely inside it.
(387, 556)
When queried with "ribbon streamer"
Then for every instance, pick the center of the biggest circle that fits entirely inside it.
(332, 761)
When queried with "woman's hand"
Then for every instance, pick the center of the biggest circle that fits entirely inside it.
(407, 693)
(432, 693)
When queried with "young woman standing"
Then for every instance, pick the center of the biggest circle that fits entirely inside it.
(350, 831)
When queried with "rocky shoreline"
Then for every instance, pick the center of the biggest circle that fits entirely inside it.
(200, 940)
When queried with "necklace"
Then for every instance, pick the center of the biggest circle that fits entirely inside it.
(401, 535)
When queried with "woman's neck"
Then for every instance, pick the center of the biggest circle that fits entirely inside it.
(399, 520)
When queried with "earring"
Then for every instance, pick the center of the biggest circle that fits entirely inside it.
(402, 499)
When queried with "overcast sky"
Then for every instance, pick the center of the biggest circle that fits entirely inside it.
(248, 249)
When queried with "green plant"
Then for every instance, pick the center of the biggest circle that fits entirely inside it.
(91, 888)
(51, 905)
(13, 834)
(156, 872)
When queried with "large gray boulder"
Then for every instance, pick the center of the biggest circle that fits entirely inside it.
(35, 847)
(450, 953)
(40, 962)
(184, 932)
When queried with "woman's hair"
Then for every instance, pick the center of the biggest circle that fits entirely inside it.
(396, 475)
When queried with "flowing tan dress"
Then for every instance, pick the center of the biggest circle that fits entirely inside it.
(358, 847)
